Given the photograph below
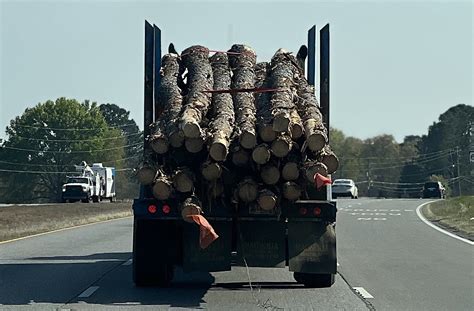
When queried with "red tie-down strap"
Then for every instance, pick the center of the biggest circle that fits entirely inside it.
(207, 235)
(320, 180)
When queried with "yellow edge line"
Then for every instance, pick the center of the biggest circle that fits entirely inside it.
(63, 229)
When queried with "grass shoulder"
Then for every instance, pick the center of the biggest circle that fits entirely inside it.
(18, 221)
(454, 214)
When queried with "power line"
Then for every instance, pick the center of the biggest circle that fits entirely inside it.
(400, 158)
(71, 152)
(65, 165)
(48, 172)
(78, 140)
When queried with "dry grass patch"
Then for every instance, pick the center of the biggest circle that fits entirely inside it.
(18, 221)
(456, 215)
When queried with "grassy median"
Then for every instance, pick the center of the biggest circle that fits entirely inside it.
(455, 215)
(18, 221)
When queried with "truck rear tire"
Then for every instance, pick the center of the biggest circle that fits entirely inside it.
(314, 280)
(95, 199)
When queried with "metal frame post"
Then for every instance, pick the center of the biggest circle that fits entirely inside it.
(324, 74)
(311, 70)
(148, 82)
(157, 64)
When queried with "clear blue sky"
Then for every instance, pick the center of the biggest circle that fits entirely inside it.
(395, 66)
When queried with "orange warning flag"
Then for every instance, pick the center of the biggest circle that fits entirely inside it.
(207, 235)
(320, 180)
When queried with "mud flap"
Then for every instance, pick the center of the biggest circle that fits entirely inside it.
(312, 247)
(261, 243)
(216, 257)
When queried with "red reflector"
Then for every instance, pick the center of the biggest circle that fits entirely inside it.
(317, 211)
(303, 211)
(166, 209)
(152, 209)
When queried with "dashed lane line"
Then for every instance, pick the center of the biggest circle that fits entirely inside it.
(365, 294)
(88, 292)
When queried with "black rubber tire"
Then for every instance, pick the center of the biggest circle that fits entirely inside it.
(95, 199)
(314, 280)
(88, 200)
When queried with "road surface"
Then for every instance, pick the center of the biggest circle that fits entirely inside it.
(396, 258)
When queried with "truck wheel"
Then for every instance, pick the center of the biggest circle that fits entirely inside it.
(95, 199)
(86, 200)
(314, 280)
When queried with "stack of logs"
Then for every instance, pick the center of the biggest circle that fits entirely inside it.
(234, 129)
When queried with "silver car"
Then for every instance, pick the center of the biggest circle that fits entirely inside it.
(344, 188)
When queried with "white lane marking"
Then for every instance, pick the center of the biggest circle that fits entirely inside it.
(381, 214)
(418, 212)
(408, 210)
(127, 263)
(363, 292)
(338, 264)
(362, 218)
(395, 214)
(88, 292)
(394, 210)
(383, 210)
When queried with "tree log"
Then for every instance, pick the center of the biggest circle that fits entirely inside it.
(146, 175)
(183, 180)
(247, 190)
(261, 154)
(216, 189)
(282, 146)
(190, 206)
(282, 77)
(328, 157)
(168, 99)
(244, 78)
(211, 170)
(296, 125)
(262, 101)
(266, 199)
(291, 191)
(162, 188)
(290, 171)
(222, 125)
(194, 145)
(240, 157)
(312, 167)
(270, 174)
(199, 80)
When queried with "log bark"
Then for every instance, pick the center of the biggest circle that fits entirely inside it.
(211, 170)
(267, 199)
(282, 77)
(270, 174)
(290, 171)
(170, 100)
(244, 78)
(262, 101)
(222, 125)
(146, 175)
(282, 146)
(183, 180)
(296, 125)
(190, 206)
(308, 109)
(291, 191)
(313, 167)
(261, 154)
(247, 190)
(199, 80)
(162, 188)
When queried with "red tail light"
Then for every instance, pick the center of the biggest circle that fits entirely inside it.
(316, 211)
(152, 209)
(303, 211)
(166, 209)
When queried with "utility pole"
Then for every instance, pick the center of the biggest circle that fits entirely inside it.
(458, 175)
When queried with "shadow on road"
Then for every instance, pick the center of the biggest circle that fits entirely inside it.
(51, 280)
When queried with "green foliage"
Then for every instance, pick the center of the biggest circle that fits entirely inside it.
(50, 138)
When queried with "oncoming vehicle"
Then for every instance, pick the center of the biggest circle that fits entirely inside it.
(344, 188)
(434, 189)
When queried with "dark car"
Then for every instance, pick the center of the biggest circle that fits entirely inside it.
(434, 189)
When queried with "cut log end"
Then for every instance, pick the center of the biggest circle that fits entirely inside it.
(312, 170)
(194, 145)
(162, 189)
(248, 191)
(176, 139)
(291, 191)
(261, 154)
(190, 208)
(281, 123)
(296, 131)
(267, 200)
(281, 147)
(240, 158)
(211, 171)
(248, 140)
(191, 130)
(267, 134)
(270, 174)
(290, 171)
(331, 162)
(183, 182)
(159, 145)
(146, 175)
(316, 141)
(218, 151)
